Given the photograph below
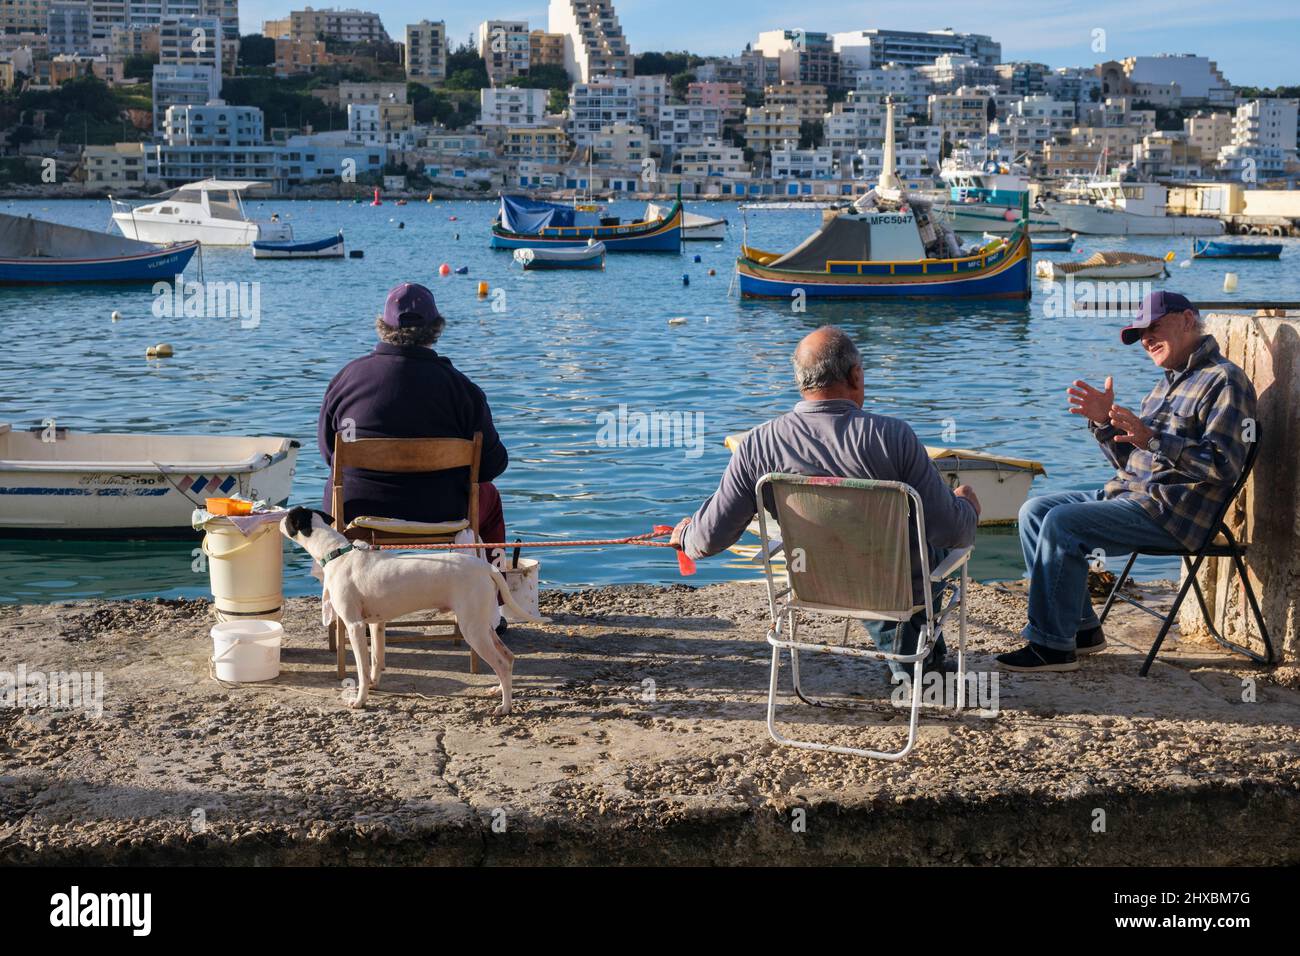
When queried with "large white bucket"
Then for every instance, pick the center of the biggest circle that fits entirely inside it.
(524, 582)
(246, 571)
(246, 651)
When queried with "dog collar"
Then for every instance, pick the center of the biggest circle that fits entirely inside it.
(336, 553)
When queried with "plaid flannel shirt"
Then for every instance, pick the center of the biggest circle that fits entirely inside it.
(1200, 417)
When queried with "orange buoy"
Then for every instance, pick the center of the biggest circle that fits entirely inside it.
(482, 289)
(444, 270)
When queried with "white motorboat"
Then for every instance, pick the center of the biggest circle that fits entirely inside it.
(211, 211)
(1128, 209)
(987, 198)
(694, 226)
(1104, 265)
(58, 483)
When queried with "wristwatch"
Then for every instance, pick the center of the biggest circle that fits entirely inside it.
(1153, 445)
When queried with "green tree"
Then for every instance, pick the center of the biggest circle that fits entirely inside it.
(546, 76)
(466, 70)
(653, 64)
(256, 50)
(811, 134)
(139, 66)
(680, 84)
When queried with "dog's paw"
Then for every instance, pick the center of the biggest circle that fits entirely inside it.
(500, 710)
(357, 704)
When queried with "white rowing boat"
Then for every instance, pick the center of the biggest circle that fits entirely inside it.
(62, 484)
(694, 226)
(1103, 265)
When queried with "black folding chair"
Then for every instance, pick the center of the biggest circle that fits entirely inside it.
(1220, 543)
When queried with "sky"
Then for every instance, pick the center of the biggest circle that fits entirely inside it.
(1253, 43)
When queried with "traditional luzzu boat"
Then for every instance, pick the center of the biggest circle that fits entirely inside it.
(890, 244)
(524, 223)
(57, 483)
(36, 252)
(1213, 249)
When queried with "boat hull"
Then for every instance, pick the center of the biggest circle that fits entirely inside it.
(1004, 275)
(331, 248)
(115, 499)
(543, 259)
(1126, 270)
(1099, 221)
(155, 266)
(1226, 250)
(212, 233)
(665, 236)
(1053, 245)
(986, 217)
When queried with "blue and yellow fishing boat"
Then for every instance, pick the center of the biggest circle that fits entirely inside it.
(525, 223)
(889, 251)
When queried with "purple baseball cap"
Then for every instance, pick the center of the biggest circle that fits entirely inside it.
(410, 304)
(1154, 306)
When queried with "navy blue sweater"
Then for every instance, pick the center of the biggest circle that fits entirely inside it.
(407, 391)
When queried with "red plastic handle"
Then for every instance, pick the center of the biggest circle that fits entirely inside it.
(684, 564)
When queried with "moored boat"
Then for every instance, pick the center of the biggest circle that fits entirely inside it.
(581, 257)
(63, 484)
(1128, 209)
(1104, 265)
(36, 252)
(329, 248)
(211, 211)
(987, 198)
(1051, 243)
(529, 223)
(695, 228)
(1212, 249)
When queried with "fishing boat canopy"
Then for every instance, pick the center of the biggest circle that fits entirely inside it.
(524, 215)
(35, 238)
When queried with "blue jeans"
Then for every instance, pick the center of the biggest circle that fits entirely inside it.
(1060, 534)
(900, 637)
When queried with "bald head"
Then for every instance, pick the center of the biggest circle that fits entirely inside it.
(827, 365)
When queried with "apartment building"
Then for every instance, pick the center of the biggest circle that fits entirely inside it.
(1023, 78)
(23, 16)
(120, 166)
(712, 158)
(727, 98)
(961, 115)
(594, 45)
(808, 100)
(67, 25)
(191, 41)
(872, 48)
(543, 144)
(805, 56)
(1263, 139)
(182, 86)
(681, 126)
(347, 26)
(1210, 132)
(426, 52)
(512, 106)
(505, 47)
(622, 144)
(595, 105)
(298, 57)
(908, 88)
(545, 49)
(952, 71)
(372, 92)
(789, 162)
(769, 127)
(380, 124)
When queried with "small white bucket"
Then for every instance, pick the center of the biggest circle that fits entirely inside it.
(246, 571)
(524, 582)
(246, 651)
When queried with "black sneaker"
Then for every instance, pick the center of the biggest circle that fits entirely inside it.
(502, 627)
(1090, 641)
(1033, 658)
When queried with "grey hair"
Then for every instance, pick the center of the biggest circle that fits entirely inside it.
(424, 335)
(828, 366)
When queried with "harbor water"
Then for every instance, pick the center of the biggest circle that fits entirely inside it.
(563, 357)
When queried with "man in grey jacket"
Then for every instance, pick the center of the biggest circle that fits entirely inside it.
(830, 435)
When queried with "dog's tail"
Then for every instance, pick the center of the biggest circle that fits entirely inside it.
(509, 599)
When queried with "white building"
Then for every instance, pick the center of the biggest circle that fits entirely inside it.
(1263, 139)
(512, 106)
(593, 40)
(601, 103)
(426, 52)
(620, 145)
(870, 48)
(1058, 115)
(955, 70)
(908, 87)
(304, 158)
(681, 126)
(504, 47)
(1198, 78)
(182, 86)
(651, 96)
(913, 166)
(190, 41)
(712, 158)
(789, 162)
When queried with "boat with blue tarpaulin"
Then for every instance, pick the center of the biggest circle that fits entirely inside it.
(524, 223)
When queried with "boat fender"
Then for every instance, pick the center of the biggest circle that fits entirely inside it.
(401, 225)
(686, 280)
(458, 237)
(116, 316)
(356, 254)
(697, 258)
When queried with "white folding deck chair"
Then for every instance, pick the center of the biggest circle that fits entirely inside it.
(848, 555)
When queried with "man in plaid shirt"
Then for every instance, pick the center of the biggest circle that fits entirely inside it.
(1176, 462)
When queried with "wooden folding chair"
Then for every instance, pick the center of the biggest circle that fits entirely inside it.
(414, 456)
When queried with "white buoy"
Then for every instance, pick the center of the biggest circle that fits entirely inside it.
(680, 320)
(116, 316)
(1230, 282)
(1185, 263)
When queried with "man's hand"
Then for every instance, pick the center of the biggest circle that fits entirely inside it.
(1133, 431)
(679, 533)
(1086, 400)
(967, 492)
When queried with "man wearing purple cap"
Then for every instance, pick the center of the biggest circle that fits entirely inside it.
(1176, 463)
(404, 389)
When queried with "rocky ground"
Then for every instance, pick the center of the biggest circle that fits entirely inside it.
(638, 737)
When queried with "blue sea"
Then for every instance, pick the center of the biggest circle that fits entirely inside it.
(557, 354)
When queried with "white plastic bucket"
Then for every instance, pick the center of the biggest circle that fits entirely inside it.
(246, 572)
(246, 651)
(524, 582)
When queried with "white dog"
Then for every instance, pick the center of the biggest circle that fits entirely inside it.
(369, 587)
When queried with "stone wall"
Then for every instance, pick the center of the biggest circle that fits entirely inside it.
(1267, 514)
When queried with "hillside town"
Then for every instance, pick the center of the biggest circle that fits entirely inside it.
(126, 97)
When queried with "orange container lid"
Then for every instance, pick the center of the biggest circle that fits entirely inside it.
(229, 506)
